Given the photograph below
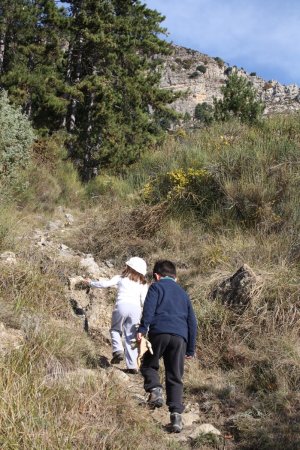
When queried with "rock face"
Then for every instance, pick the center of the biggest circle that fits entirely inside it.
(236, 290)
(201, 78)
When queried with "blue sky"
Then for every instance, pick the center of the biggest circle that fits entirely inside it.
(262, 36)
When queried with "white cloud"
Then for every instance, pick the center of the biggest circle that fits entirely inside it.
(260, 35)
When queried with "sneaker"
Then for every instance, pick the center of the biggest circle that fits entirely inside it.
(176, 422)
(117, 357)
(155, 399)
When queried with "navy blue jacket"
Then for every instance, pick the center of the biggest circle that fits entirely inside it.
(168, 309)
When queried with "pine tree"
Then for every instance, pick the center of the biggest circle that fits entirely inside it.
(117, 108)
(239, 100)
(32, 59)
(93, 70)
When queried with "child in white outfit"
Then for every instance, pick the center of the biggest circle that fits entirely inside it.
(132, 289)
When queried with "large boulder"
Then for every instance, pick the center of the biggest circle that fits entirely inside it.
(90, 267)
(237, 289)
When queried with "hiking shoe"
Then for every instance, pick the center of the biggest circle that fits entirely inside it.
(176, 422)
(155, 399)
(117, 357)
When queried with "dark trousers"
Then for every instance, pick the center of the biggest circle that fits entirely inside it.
(172, 349)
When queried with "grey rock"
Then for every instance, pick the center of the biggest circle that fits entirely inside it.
(65, 251)
(236, 290)
(190, 417)
(109, 264)
(76, 282)
(69, 219)
(54, 225)
(205, 428)
(89, 265)
(38, 234)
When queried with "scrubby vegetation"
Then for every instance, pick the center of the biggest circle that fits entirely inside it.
(239, 100)
(211, 201)
(225, 196)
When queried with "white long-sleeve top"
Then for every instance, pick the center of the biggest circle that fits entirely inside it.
(129, 291)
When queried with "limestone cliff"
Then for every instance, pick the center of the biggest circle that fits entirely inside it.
(201, 78)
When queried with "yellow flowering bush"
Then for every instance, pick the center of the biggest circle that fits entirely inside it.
(191, 187)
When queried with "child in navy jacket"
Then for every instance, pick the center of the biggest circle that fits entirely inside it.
(170, 322)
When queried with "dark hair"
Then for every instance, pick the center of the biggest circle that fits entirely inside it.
(165, 268)
(133, 275)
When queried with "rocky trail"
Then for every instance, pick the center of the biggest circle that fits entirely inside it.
(92, 310)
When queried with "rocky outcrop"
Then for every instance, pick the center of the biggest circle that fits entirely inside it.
(237, 290)
(201, 78)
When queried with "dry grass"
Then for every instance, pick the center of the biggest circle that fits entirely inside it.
(116, 231)
(24, 287)
(46, 408)
(246, 376)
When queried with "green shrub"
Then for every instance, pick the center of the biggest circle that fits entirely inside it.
(187, 63)
(187, 117)
(201, 68)
(194, 74)
(16, 139)
(239, 100)
(204, 113)
(48, 178)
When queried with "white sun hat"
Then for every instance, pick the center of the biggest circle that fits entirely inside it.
(137, 264)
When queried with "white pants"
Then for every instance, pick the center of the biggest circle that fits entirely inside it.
(125, 317)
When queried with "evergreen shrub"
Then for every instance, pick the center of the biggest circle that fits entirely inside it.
(239, 100)
(16, 139)
(194, 74)
(204, 113)
(201, 68)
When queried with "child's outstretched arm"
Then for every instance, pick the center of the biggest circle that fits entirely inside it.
(105, 283)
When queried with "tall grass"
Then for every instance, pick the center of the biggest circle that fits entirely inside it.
(255, 168)
(54, 395)
(254, 220)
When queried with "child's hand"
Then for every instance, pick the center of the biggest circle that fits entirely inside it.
(189, 357)
(87, 281)
(139, 337)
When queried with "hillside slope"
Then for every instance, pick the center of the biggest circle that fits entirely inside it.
(214, 201)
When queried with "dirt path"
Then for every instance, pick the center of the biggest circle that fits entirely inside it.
(94, 308)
